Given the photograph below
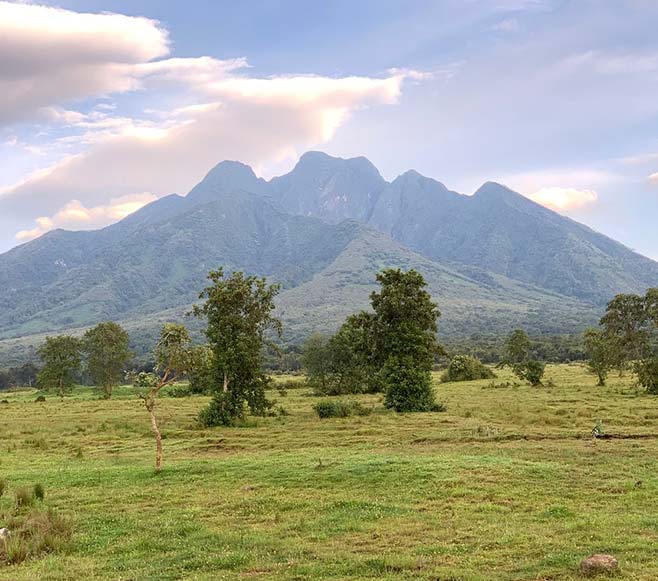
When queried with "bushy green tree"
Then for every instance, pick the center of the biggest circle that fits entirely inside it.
(404, 341)
(201, 369)
(239, 312)
(466, 368)
(106, 347)
(173, 360)
(518, 356)
(626, 325)
(600, 354)
(317, 362)
(647, 374)
(353, 362)
(62, 360)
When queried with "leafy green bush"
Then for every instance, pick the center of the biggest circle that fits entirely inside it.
(39, 492)
(531, 371)
(40, 399)
(466, 368)
(340, 409)
(647, 374)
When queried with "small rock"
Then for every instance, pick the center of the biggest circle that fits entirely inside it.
(247, 488)
(598, 565)
(5, 533)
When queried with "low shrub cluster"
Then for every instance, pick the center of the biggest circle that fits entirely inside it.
(340, 409)
(466, 368)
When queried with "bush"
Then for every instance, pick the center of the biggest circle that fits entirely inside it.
(340, 409)
(647, 374)
(40, 399)
(179, 391)
(531, 371)
(466, 368)
(39, 492)
(3, 487)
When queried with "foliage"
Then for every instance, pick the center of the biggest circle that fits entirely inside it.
(600, 352)
(317, 362)
(200, 372)
(340, 409)
(626, 325)
(404, 339)
(466, 368)
(238, 311)
(518, 353)
(647, 374)
(61, 358)
(106, 347)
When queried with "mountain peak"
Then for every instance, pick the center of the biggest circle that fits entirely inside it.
(226, 177)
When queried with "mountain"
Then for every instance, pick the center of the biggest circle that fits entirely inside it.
(496, 229)
(493, 261)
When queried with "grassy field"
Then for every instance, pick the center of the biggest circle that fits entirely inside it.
(507, 484)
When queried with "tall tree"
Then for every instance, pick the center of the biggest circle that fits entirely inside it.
(600, 352)
(107, 352)
(239, 312)
(173, 360)
(316, 358)
(625, 322)
(518, 356)
(62, 360)
(404, 339)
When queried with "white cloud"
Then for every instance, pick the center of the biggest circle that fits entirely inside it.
(49, 56)
(653, 178)
(74, 215)
(259, 121)
(563, 199)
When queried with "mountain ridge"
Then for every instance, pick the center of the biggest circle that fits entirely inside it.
(494, 259)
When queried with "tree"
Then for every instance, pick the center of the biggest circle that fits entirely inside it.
(316, 359)
(647, 374)
(5, 380)
(354, 364)
(517, 347)
(625, 324)
(600, 354)
(26, 374)
(108, 354)
(238, 310)
(518, 351)
(404, 344)
(201, 369)
(172, 361)
(61, 358)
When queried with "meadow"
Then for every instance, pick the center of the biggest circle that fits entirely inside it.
(508, 483)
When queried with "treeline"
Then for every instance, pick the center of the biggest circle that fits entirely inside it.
(22, 376)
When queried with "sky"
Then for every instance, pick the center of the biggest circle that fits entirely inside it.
(108, 105)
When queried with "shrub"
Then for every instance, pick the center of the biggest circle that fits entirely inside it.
(340, 409)
(466, 368)
(179, 391)
(39, 492)
(531, 371)
(647, 374)
(40, 399)
(3, 487)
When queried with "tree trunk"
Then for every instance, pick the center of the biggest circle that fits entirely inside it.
(225, 382)
(158, 437)
(108, 392)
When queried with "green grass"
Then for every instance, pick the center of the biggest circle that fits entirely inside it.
(507, 484)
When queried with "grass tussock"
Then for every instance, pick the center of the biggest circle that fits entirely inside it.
(33, 533)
